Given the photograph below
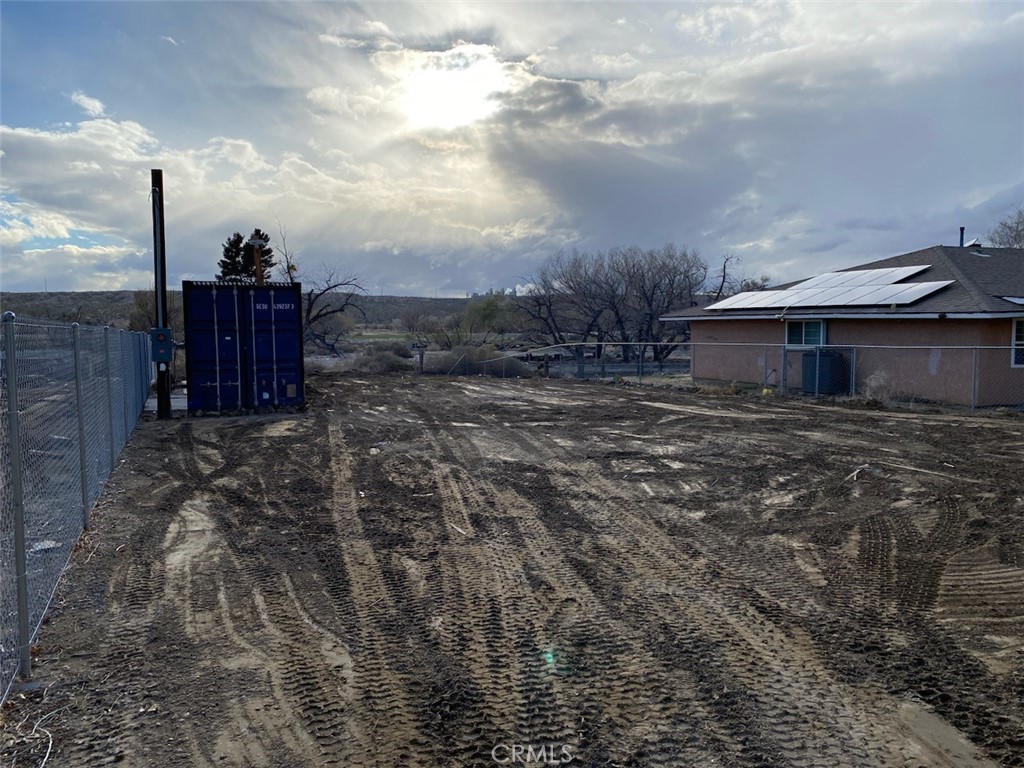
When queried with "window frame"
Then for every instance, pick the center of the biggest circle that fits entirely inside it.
(803, 334)
(1017, 342)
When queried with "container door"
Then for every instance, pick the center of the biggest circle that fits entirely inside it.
(214, 347)
(274, 339)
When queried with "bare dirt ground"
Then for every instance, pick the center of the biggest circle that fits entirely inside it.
(430, 572)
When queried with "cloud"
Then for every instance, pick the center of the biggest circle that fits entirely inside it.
(92, 107)
(22, 221)
(888, 224)
(78, 267)
(97, 174)
(824, 246)
(735, 23)
(365, 35)
(354, 104)
(169, 39)
(454, 151)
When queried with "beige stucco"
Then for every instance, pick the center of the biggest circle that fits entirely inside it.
(893, 358)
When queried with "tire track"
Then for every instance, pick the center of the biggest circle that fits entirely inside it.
(418, 570)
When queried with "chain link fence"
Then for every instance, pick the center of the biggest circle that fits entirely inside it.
(632, 362)
(977, 377)
(70, 397)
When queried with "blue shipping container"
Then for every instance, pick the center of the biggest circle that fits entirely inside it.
(243, 345)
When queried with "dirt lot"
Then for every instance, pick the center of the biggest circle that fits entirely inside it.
(429, 572)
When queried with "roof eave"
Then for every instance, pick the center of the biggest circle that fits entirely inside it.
(1009, 314)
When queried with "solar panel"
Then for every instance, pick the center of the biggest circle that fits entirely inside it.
(817, 280)
(854, 295)
(735, 302)
(878, 294)
(917, 291)
(884, 276)
(856, 287)
(816, 296)
(747, 299)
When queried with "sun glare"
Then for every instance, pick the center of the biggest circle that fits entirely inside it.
(453, 89)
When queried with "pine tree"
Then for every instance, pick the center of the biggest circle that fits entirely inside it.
(232, 269)
(238, 264)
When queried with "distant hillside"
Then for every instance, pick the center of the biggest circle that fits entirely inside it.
(382, 310)
(114, 308)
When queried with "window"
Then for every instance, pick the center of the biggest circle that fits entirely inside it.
(1017, 350)
(805, 333)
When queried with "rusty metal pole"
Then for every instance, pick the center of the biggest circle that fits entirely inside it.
(257, 255)
(163, 376)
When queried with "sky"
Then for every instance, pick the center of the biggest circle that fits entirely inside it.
(437, 149)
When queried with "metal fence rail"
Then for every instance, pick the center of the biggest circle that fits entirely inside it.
(598, 360)
(70, 397)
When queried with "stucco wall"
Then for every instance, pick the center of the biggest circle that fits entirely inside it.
(910, 333)
(750, 351)
(714, 358)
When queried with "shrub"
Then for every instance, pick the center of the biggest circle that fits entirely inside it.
(397, 348)
(378, 362)
(732, 388)
(880, 386)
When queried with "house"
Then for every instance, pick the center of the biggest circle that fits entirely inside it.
(943, 324)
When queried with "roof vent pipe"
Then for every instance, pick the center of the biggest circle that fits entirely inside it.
(962, 236)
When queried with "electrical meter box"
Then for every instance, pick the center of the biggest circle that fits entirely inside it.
(163, 344)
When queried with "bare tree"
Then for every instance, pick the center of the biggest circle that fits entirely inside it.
(725, 281)
(143, 318)
(618, 296)
(412, 321)
(143, 313)
(1009, 232)
(656, 283)
(326, 295)
(729, 280)
(755, 283)
(287, 268)
(484, 321)
(544, 306)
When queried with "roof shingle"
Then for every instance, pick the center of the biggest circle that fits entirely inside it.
(983, 276)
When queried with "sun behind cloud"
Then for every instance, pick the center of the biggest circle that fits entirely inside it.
(447, 89)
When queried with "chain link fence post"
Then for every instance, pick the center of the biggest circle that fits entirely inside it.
(83, 459)
(17, 493)
(125, 393)
(143, 385)
(132, 369)
(974, 379)
(853, 371)
(137, 372)
(817, 370)
(110, 395)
